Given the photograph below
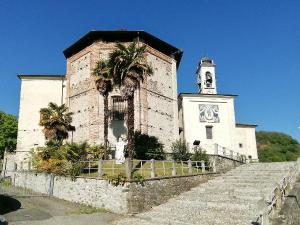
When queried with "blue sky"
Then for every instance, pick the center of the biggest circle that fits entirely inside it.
(255, 44)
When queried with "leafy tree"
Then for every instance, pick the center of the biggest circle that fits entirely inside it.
(104, 83)
(147, 147)
(180, 150)
(8, 132)
(276, 147)
(129, 68)
(56, 121)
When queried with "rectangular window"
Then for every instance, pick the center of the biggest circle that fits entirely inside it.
(118, 108)
(240, 145)
(209, 134)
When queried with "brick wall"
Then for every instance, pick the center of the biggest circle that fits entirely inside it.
(155, 103)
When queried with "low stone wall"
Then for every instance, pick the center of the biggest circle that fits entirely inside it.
(142, 197)
(8, 164)
(99, 193)
(224, 164)
(94, 192)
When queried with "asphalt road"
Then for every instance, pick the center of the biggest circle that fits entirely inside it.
(22, 208)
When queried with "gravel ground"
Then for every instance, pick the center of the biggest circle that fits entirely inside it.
(21, 208)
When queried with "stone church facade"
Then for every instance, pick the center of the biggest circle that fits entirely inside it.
(156, 106)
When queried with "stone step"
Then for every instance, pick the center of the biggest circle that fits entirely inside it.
(220, 197)
(192, 216)
(236, 191)
(229, 183)
(235, 198)
(218, 204)
(239, 177)
(234, 181)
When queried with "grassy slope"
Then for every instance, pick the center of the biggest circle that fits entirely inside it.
(110, 168)
(276, 147)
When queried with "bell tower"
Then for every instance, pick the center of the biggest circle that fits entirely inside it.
(206, 77)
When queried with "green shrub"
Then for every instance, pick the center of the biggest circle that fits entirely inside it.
(63, 159)
(147, 147)
(138, 178)
(200, 155)
(97, 152)
(180, 151)
(117, 180)
(74, 152)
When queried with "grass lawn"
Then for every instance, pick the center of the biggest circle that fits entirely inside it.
(140, 167)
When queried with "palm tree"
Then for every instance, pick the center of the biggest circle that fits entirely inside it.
(129, 68)
(56, 121)
(104, 82)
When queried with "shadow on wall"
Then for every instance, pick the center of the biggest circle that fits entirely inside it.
(118, 128)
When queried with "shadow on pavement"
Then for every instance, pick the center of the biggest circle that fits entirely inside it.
(8, 204)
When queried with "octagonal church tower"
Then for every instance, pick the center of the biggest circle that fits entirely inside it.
(156, 108)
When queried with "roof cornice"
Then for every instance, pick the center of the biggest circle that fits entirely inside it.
(206, 95)
(124, 36)
(245, 125)
(41, 76)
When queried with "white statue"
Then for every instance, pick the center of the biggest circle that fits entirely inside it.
(120, 146)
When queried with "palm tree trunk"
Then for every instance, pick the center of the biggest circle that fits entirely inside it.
(105, 124)
(130, 126)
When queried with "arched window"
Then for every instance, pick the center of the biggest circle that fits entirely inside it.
(118, 108)
(208, 79)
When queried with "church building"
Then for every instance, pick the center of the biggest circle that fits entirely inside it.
(207, 119)
(156, 107)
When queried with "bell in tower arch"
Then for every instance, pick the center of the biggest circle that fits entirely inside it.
(208, 79)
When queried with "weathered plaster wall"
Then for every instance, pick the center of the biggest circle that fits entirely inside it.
(246, 136)
(36, 93)
(222, 131)
(225, 133)
(162, 100)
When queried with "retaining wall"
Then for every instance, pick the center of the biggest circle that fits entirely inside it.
(223, 163)
(99, 193)
(130, 198)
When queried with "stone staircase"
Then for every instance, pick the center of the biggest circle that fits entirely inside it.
(237, 197)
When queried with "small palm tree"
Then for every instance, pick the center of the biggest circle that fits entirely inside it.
(56, 121)
(104, 83)
(129, 68)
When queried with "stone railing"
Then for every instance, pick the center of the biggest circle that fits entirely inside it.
(229, 153)
(278, 195)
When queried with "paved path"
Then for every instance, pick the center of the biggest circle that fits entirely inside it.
(21, 208)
